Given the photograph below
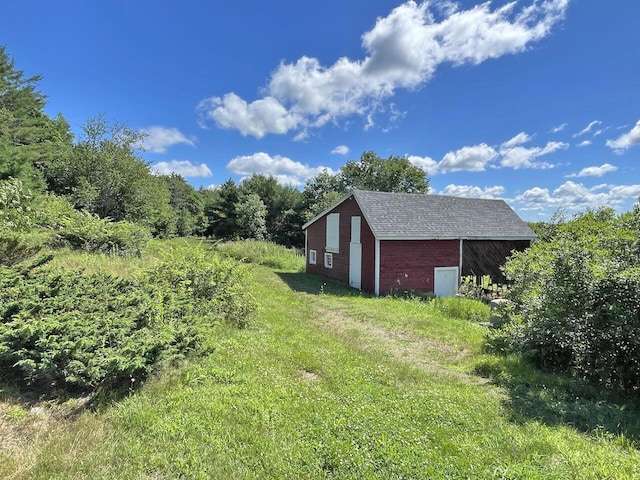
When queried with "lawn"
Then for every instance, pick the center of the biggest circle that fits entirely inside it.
(330, 383)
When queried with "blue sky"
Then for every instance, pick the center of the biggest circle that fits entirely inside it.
(535, 102)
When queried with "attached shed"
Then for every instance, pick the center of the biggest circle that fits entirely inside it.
(379, 241)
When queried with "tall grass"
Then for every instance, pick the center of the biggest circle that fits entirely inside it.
(264, 253)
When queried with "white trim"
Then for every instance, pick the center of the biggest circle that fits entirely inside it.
(328, 260)
(313, 257)
(460, 262)
(396, 237)
(305, 249)
(377, 268)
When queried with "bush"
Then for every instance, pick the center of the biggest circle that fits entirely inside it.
(577, 301)
(68, 330)
(87, 232)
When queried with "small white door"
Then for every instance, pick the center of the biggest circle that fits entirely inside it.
(355, 255)
(446, 281)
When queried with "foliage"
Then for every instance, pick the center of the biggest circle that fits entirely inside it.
(394, 174)
(577, 300)
(251, 213)
(187, 204)
(29, 139)
(71, 330)
(15, 206)
(263, 253)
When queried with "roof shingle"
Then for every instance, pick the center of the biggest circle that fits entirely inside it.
(423, 216)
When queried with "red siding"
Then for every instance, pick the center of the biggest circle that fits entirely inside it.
(409, 264)
(316, 239)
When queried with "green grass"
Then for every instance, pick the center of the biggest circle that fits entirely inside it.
(330, 383)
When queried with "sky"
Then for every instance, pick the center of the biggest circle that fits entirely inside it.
(536, 102)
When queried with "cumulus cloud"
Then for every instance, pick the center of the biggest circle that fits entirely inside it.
(428, 164)
(626, 140)
(402, 51)
(472, 159)
(595, 171)
(523, 157)
(586, 143)
(285, 170)
(471, 191)
(588, 128)
(157, 139)
(572, 195)
(182, 167)
(340, 150)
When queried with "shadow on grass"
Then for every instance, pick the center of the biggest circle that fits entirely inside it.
(316, 285)
(560, 400)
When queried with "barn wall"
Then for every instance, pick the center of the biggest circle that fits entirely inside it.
(409, 264)
(316, 239)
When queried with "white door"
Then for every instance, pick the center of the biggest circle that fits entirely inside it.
(355, 255)
(446, 281)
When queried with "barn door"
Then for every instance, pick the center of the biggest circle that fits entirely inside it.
(445, 281)
(355, 255)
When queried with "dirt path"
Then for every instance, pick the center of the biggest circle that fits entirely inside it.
(429, 355)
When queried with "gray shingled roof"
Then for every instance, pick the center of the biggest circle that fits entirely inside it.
(420, 216)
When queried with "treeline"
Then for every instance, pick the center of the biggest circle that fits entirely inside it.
(102, 173)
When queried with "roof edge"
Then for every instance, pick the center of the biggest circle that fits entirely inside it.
(479, 237)
(322, 214)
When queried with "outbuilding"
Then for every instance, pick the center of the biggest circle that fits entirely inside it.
(380, 241)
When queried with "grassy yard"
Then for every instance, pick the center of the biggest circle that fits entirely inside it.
(327, 383)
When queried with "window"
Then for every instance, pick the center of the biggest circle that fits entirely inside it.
(312, 257)
(333, 233)
(328, 260)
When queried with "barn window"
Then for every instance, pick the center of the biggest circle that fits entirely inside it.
(333, 233)
(312, 257)
(328, 260)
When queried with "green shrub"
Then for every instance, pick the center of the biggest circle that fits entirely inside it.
(61, 329)
(86, 231)
(577, 301)
(16, 214)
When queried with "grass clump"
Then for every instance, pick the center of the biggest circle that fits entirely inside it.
(264, 253)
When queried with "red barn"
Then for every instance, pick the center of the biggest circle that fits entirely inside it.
(379, 241)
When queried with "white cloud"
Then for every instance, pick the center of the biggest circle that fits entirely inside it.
(595, 171)
(182, 167)
(586, 143)
(519, 139)
(626, 140)
(472, 191)
(588, 128)
(403, 50)
(428, 164)
(574, 196)
(559, 128)
(472, 159)
(340, 150)
(157, 139)
(287, 171)
(523, 157)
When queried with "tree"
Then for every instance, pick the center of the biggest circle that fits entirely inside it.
(187, 204)
(395, 174)
(220, 210)
(29, 139)
(284, 206)
(251, 214)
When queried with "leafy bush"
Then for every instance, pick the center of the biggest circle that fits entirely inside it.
(577, 300)
(74, 331)
(264, 253)
(16, 214)
(86, 231)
